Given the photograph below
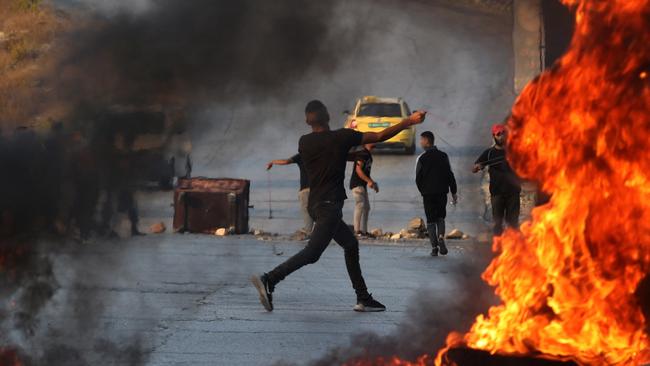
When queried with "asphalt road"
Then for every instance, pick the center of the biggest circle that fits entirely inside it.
(174, 299)
(186, 299)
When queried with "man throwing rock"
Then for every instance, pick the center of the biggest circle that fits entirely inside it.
(324, 153)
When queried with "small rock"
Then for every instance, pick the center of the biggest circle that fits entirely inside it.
(258, 232)
(465, 237)
(300, 236)
(416, 224)
(455, 234)
(396, 236)
(157, 228)
(377, 232)
(221, 232)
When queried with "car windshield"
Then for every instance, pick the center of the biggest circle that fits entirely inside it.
(380, 110)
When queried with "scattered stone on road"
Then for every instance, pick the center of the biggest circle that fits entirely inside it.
(457, 234)
(157, 228)
(416, 224)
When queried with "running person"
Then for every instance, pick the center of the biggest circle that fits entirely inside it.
(325, 153)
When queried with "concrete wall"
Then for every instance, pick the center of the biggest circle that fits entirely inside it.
(526, 39)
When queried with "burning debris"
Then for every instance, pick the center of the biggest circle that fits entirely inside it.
(569, 279)
(573, 282)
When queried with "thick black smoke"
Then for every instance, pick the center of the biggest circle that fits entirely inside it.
(178, 51)
(69, 182)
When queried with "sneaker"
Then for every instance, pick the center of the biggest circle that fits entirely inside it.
(265, 290)
(434, 252)
(369, 305)
(443, 247)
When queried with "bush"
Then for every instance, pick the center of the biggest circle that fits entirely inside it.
(28, 4)
(21, 50)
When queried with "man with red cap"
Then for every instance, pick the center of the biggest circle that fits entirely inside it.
(505, 186)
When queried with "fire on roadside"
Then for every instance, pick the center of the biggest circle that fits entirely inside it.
(569, 279)
(574, 280)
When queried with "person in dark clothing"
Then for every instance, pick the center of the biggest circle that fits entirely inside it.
(325, 154)
(435, 179)
(120, 190)
(303, 193)
(505, 186)
(359, 182)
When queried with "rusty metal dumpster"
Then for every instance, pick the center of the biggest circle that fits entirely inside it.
(203, 205)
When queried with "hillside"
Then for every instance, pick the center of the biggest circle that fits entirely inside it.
(29, 32)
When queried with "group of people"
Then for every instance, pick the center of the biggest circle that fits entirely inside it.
(322, 160)
(65, 183)
(360, 181)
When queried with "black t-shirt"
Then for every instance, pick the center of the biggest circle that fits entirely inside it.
(365, 158)
(324, 155)
(503, 179)
(304, 180)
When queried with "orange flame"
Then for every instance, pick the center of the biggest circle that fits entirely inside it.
(568, 278)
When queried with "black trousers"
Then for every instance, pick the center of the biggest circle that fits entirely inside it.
(435, 206)
(505, 206)
(328, 225)
(435, 209)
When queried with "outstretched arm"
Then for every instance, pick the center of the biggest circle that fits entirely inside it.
(481, 162)
(270, 164)
(414, 119)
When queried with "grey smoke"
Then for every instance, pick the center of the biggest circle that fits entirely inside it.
(178, 53)
(189, 52)
(430, 317)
